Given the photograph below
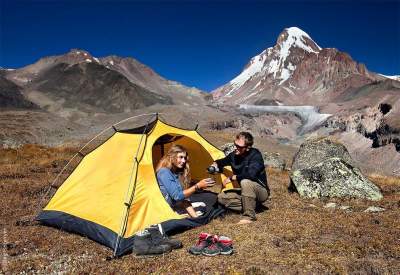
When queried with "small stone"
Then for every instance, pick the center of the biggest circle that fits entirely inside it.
(374, 209)
(330, 205)
(345, 207)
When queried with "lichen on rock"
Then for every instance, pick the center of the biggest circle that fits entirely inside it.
(323, 168)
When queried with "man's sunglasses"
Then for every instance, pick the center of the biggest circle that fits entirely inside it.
(238, 146)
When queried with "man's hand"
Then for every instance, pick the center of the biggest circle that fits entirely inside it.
(225, 182)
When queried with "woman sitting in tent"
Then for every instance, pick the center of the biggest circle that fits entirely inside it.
(173, 172)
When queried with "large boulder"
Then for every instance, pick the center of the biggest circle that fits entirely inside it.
(334, 178)
(274, 160)
(323, 168)
(318, 150)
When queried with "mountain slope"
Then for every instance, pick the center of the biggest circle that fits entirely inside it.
(140, 76)
(11, 96)
(295, 71)
(94, 85)
(144, 76)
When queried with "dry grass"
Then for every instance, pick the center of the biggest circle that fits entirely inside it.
(384, 180)
(294, 236)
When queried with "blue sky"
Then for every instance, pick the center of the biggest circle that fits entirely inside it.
(198, 43)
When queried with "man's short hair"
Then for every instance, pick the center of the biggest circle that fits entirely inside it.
(248, 138)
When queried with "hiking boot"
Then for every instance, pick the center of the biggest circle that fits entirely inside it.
(204, 240)
(159, 237)
(221, 245)
(143, 245)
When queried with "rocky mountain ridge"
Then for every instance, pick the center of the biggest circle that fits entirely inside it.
(79, 84)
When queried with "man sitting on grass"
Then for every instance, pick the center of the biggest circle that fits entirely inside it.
(249, 172)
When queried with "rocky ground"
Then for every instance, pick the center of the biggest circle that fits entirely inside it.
(294, 236)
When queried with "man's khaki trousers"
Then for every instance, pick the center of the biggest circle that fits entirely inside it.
(246, 200)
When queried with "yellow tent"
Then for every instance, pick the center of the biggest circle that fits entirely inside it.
(113, 192)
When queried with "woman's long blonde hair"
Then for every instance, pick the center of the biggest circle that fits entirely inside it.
(170, 158)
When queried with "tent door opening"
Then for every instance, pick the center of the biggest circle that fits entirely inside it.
(199, 158)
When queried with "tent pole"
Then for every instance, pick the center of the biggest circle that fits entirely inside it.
(127, 203)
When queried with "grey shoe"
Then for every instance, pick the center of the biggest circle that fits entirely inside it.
(159, 237)
(143, 245)
(221, 245)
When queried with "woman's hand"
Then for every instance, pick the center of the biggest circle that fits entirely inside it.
(202, 184)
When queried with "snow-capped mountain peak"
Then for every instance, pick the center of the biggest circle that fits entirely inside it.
(289, 39)
(295, 69)
(295, 37)
(276, 61)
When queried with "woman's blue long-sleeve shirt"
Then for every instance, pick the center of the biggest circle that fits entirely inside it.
(170, 186)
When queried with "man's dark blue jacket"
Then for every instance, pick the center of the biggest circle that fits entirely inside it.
(247, 166)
